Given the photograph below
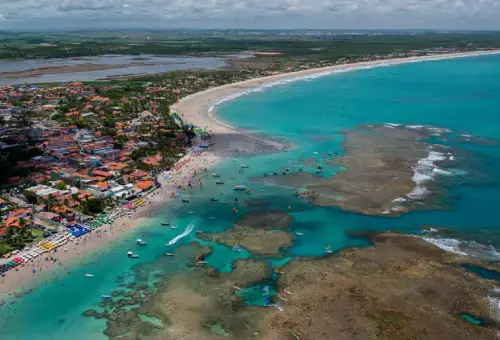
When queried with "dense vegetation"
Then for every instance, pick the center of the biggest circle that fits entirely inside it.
(308, 44)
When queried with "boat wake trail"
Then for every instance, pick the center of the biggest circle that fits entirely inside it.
(185, 233)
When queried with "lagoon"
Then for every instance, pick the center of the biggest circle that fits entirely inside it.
(149, 64)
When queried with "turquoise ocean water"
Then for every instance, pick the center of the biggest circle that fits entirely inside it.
(459, 94)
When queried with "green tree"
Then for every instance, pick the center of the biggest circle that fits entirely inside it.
(30, 196)
(61, 185)
(94, 206)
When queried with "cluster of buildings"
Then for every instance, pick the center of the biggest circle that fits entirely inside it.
(88, 149)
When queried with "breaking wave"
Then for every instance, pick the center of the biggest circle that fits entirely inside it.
(466, 248)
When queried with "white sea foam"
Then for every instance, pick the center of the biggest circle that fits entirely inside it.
(470, 248)
(425, 171)
(449, 244)
(494, 304)
(185, 233)
(392, 125)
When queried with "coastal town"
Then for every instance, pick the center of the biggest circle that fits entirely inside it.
(247, 183)
(77, 156)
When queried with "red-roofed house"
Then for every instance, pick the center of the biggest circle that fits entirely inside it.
(144, 185)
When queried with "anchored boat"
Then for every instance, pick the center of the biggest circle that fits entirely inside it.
(239, 187)
(141, 242)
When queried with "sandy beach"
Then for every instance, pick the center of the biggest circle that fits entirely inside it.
(198, 109)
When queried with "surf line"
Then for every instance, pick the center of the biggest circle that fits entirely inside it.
(185, 233)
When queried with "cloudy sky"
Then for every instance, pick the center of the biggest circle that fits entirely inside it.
(441, 14)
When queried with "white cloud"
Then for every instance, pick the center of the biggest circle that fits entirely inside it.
(270, 13)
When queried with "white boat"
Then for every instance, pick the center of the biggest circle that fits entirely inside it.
(191, 212)
(329, 249)
(211, 218)
(141, 242)
(239, 187)
(215, 175)
(244, 166)
(169, 254)
(298, 233)
(173, 227)
(213, 199)
(223, 202)
(89, 275)
(236, 248)
(105, 296)
(199, 231)
(129, 253)
(134, 256)
(282, 298)
(219, 181)
(316, 153)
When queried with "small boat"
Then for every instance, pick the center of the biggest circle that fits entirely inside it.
(169, 254)
(201, 263)
(215, 175)
(213, 199)
(239, 187)
(236, 201)
(282, 297)
(244, 166)
(165, 223)
(129, 253)
(141, 242)
(134, 256)
(219, 181)
(262, 190)
(278, 307)
(89, 275)
(105, 296)
(185, 201)
(236, 248)
(223, 202)
(298, 233)
(235, 287)
(290, 207)
(316, 153)
(173, 227)
(329, 249)
(279, 270)
(191, 213)
(211, 218)
(287, 291)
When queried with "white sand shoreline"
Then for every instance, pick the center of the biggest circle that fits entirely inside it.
(198, 109)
